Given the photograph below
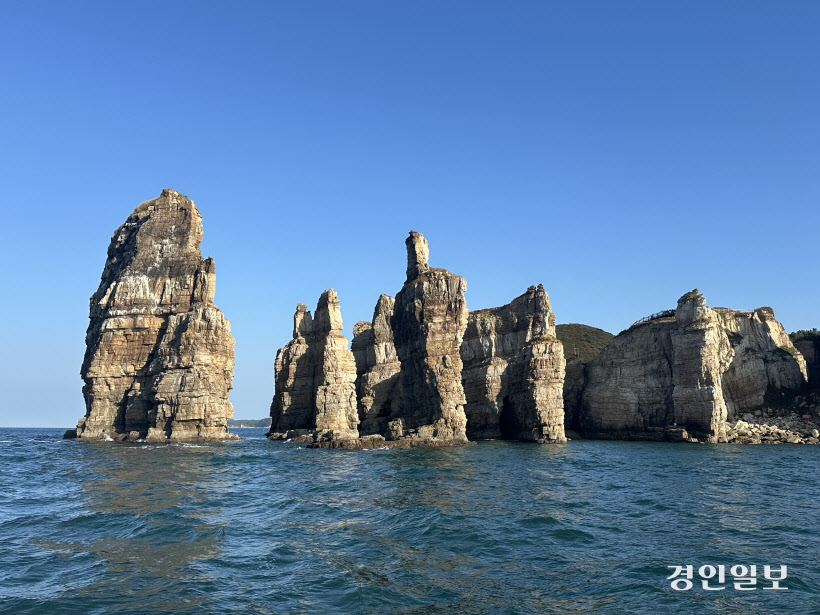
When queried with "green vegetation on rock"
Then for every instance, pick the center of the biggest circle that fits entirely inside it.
(582, 341)
(805, 334)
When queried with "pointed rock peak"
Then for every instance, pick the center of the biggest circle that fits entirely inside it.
(302, 321)
(384, 305)
(418, 255)
(329, 312)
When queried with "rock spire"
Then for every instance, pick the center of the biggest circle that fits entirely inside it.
(315, 396)
(159, 354)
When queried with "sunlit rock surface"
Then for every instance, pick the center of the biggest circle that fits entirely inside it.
(315, 398)
(513, 371)
(159, 354)
(686, 373)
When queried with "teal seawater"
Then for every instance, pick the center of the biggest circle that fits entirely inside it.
(263, 527)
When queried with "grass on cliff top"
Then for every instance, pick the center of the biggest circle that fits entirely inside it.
(805, 334)
(582, 341)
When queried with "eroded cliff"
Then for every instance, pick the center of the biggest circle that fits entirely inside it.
(159, 354)
(688, 373)
(513, 371)
(428, 323)
(315, 373)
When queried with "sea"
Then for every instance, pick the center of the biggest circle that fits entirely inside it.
(255, 526)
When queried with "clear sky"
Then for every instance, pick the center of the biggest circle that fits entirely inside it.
(620, 153)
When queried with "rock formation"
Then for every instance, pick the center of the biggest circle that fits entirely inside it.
(315, 396)
(159, 354)
(514, 371)
(685, 373)
(582, 343)
(809, 347)
(574, 381)
(378, 367)
(428, 323)
(399, 385)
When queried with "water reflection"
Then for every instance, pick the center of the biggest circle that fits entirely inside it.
(145, 522)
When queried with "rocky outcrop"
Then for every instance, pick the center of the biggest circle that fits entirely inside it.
(377, 367)
(810, 349)
(685, 373)
(428, 323)
(513, 371)
(413, 363)
(765, 367)
(702, 353)
(399, 385)
(763, 428)
(574, 381)
(582, 344)
(315, 397)
(159, 354)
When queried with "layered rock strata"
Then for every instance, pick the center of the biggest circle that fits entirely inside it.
(377, 367)
(402, 376)
(810, 349)
(574, 381)
(684, 374)
(582, 343)
(159, 354)
(315, 398)
(513, 371)
(428, 323)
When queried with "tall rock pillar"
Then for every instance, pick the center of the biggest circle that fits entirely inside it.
(429, 320)
(159, 354)
(702, 354)
(315, 374)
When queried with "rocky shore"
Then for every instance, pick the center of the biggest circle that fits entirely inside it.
(426, 371)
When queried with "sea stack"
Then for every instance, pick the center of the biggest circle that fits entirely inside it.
(513, 372)
(428, 323)
(378, 367)
(315, 397)
(159, 354)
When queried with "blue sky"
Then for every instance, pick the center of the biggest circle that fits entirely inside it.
(620, 153)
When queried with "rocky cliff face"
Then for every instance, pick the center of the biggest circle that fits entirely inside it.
(513, 371)
(574, 381)
(378, 368)
(159, 354)
(702, 353)
(582, 343)
(428, 323)
(315, 394)
(764, 366)
(684, 374)
(399, 385)
(810, 349)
